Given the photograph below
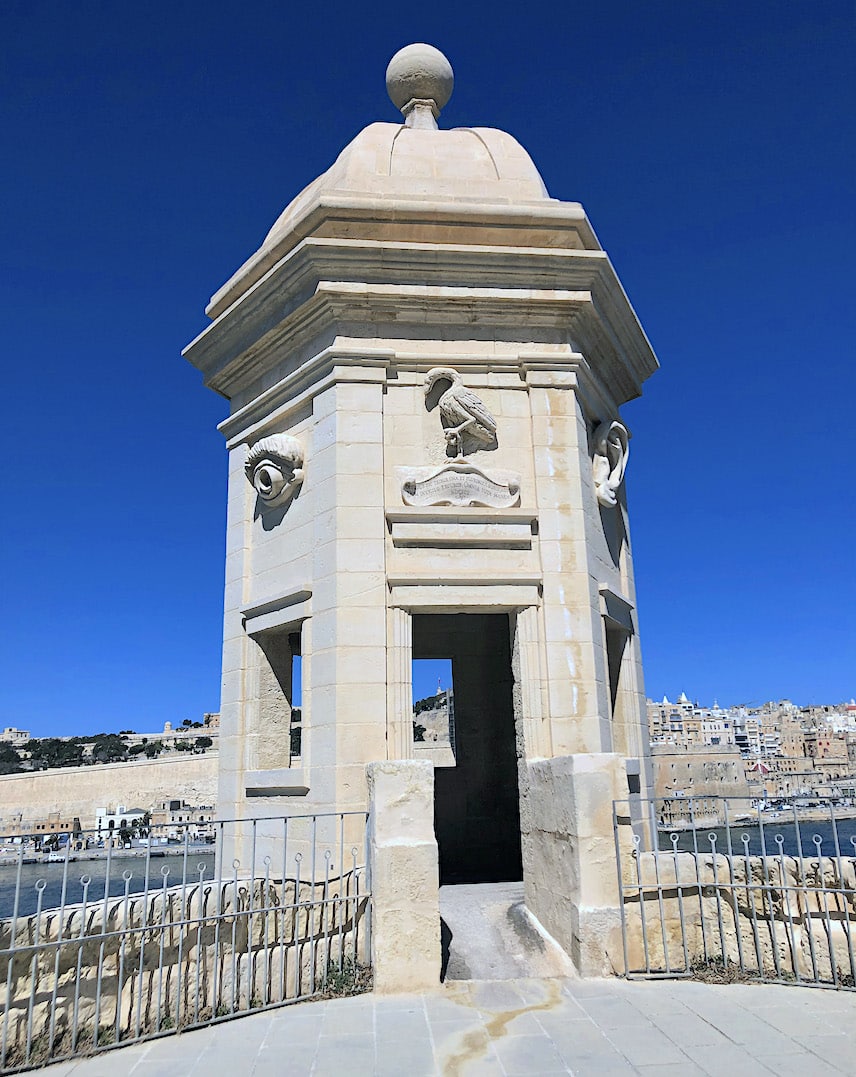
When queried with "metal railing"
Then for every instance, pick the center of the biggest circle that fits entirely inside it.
(113, 937)
(722, 888)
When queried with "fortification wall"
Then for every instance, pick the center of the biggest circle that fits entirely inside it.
(79, 790)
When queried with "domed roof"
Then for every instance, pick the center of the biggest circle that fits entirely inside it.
(411, 162)
(466, 164)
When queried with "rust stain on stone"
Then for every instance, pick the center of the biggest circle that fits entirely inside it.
(475, 1043)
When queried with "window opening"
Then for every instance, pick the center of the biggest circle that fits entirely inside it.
(434, 709)
(296, 696)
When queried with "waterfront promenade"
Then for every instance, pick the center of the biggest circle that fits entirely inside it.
(601, 1028)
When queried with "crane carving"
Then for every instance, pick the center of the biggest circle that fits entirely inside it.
(462, 413)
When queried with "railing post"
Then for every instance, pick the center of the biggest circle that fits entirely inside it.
(404, 872)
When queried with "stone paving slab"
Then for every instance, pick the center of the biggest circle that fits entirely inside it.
(512, 1028)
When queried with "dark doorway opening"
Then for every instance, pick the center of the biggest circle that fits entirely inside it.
(476, 800)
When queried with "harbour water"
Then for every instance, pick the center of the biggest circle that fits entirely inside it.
(763, 837)
(73, 876)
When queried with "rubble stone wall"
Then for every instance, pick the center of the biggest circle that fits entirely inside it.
(139, 964)
(779, 915)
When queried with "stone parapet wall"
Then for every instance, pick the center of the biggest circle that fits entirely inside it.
(95, 973)
(77, 791)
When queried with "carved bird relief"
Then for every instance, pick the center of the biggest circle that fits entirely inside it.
(462, 413)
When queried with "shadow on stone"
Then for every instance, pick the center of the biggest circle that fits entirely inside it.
(445, 948)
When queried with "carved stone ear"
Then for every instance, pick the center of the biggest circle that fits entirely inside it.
(275, 467)
(611, 453)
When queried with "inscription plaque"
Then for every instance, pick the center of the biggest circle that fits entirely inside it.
(461, 485)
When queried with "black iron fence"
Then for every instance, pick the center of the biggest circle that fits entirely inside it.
(109, 938)
(722, 887)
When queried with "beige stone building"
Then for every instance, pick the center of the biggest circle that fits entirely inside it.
(823, 745)
(787, 752)
(56, 822)
(174, 817)
(425, 363)
(685, 773)
(434, 730)
(16, 737)
(687, 723)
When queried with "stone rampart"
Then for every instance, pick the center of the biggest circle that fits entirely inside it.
(77, 791)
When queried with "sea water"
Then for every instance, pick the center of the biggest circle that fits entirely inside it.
(764, 838)
(52, 874)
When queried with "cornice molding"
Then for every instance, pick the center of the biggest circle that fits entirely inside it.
(313, 288)
(351, 214)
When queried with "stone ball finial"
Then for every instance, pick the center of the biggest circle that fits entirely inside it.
(419, 73)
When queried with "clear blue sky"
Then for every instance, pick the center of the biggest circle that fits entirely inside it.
(148, 149)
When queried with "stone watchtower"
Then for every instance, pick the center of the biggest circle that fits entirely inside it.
(425, 362)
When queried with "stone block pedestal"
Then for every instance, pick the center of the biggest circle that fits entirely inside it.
(569, 865)
(404, 875)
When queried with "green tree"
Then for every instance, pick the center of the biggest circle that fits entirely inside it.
(154, 749)
(203, 742)
(52, 752)
(109, 748)
(10, 761)
(431, 703)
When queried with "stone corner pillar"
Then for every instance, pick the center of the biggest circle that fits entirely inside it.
(569, 866)
(405, 878)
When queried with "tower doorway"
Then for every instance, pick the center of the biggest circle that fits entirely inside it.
(476, 798)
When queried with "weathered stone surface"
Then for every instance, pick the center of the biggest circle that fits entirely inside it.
(571, 882)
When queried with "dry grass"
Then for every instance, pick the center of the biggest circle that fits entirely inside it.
(719, 971)
(351, 979)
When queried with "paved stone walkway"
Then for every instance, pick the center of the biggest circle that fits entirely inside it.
(601, 1028)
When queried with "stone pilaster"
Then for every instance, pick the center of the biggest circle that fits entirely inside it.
(530, 676)
(348, 689)
(575, 664)
(399, 665)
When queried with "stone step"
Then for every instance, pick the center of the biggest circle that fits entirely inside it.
(489, 934)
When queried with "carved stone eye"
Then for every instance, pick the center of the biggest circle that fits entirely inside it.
(275, 467)
(268, 480)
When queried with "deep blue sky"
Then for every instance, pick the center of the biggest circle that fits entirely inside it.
(148, 148)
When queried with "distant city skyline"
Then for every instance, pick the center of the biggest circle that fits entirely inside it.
(707, 144)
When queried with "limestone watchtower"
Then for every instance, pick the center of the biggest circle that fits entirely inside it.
(425, 362)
